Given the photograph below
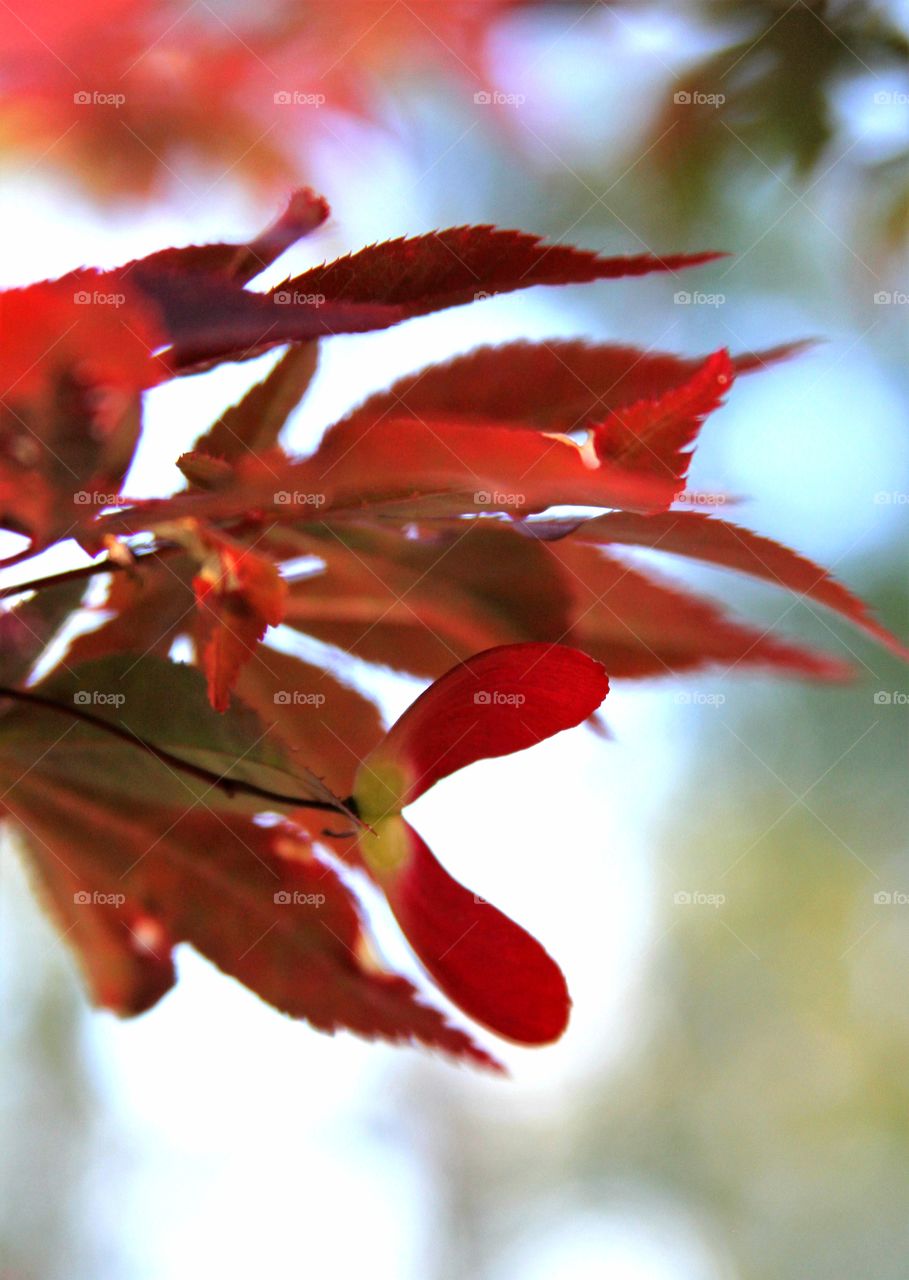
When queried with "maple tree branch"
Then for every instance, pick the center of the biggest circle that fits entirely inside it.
(87, 571)
(230, 786)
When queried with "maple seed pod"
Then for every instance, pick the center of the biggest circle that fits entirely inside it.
(497, 702)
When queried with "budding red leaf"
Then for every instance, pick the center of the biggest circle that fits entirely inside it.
(239, 595)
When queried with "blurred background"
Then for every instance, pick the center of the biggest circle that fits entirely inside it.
(726, 880)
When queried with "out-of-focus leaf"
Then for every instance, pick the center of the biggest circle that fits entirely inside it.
(164, 704)
(421, 604)
(317, 717)
(239, 595)
(27, 627)
(256, 901)
(253, 425)
(639, 625)
(702, 537)
(72, 365)
(144, 611)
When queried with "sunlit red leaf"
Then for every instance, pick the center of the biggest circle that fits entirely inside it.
(641, 625)
(495, 469)
(702, 537)
(422, 604)
(655, 436)
(556, 385)
(451, 469)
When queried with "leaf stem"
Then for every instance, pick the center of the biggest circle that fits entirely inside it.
(230, 786)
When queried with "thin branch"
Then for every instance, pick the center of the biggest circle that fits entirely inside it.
(230, 786)
(88, 571)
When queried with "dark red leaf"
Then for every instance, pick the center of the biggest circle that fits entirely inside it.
(641, 625)
(458, 265)
(304, 212)
(702, 537)
(316, 715)
(421, 604)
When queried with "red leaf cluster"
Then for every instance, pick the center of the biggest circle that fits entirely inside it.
(427, 532)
